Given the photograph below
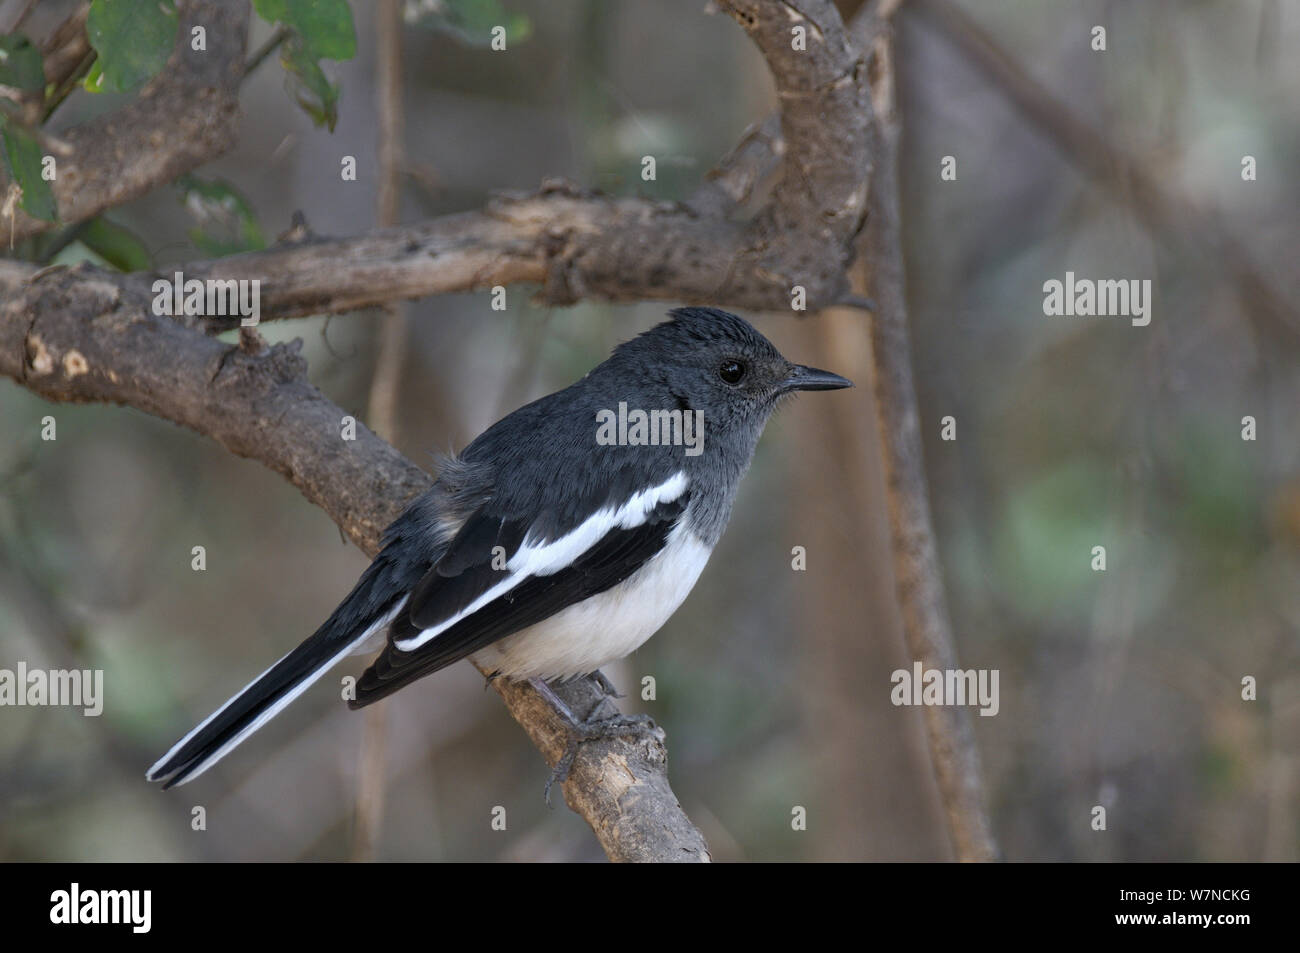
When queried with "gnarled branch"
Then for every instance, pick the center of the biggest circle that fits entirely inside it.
(578, 244)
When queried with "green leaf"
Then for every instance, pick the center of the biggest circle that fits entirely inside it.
(226, 222)
(116, 245)
(20, 64)
(469, 21)
(133, 38)
(309, 85)
(23, 162)
(319, 29)
(324, 27)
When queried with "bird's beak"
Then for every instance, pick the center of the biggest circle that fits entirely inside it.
(810, 378)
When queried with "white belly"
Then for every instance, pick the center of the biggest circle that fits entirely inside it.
(608, 626)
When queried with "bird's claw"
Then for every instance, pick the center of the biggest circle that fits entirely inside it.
(635, 725)
(606, 685)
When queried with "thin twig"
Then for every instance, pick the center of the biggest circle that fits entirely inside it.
(65, 88)
(17, 22)
(385, 387)
(272, 44)
(927, 628)
(65, 47)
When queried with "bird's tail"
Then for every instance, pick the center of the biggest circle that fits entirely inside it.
(373, 603)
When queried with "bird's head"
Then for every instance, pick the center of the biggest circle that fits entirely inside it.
(717, 363)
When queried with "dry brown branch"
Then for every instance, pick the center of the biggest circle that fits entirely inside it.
(577, 244)
(65, 47)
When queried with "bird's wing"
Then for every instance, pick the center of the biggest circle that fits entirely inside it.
(497, 579)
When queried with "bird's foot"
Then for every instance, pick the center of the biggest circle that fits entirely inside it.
(580, 731)
(635, 726)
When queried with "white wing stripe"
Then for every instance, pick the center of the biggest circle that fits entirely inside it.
(545, 559)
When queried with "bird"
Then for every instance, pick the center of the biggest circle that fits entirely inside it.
(557, 541)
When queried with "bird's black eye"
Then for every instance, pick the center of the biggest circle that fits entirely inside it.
(731, 371)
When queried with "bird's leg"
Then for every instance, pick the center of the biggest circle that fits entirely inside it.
(581, 731)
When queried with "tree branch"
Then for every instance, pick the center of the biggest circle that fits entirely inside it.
(185, 116)
(573, 244)
(820, 203)
(385, 387)
(733, 180)
(578, 244)
(927, 629)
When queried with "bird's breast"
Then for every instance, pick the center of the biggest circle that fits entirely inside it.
(607, 626)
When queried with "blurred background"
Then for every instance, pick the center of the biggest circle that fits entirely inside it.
(1119, 688)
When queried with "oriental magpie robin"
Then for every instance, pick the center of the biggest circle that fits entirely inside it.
(559, 540)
